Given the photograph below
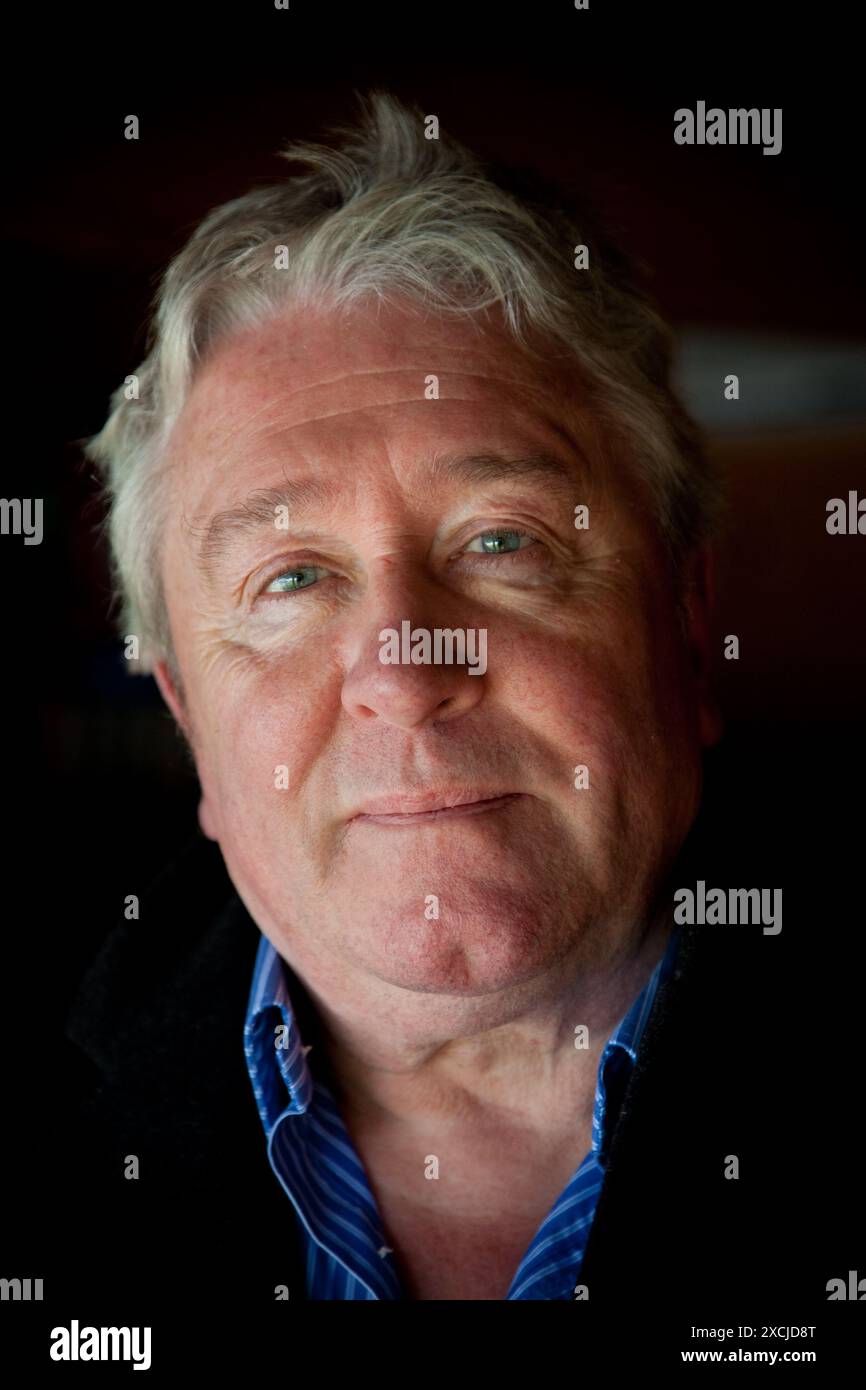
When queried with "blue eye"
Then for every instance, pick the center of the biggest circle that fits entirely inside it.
(290, 581)
(495, 542)
(501, 542)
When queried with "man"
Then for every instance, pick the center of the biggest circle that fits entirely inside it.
(416, 541)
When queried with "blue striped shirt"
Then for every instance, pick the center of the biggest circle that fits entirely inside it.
(312, 1155)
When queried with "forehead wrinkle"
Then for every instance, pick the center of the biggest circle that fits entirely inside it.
(274, 403)
(477, 469)
(229, 408)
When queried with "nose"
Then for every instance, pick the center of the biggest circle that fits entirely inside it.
(407, 693)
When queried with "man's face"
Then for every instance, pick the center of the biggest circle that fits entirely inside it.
(316, 757)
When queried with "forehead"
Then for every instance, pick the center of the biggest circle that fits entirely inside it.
(333, 370)
(345, 412)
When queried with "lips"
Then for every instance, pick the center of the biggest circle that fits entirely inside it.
(404, 809)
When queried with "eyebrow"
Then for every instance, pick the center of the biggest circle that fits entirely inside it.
(258, 510)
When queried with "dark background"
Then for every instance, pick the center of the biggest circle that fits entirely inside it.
(98, 787)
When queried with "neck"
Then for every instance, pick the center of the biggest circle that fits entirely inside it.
(533, 1057)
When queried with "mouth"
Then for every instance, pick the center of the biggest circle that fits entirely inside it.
(398, 810)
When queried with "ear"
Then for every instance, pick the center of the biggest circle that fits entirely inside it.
(169, 692)
(700, 597)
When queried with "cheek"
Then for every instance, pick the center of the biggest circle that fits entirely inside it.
(609, 695)
(587, 686)
(263, 732)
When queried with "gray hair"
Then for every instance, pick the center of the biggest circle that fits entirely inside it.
(390, 211)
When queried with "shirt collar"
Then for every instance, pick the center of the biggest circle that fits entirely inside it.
(271, 1031)
(621, 1049)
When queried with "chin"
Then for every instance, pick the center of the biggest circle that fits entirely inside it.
(460, 953)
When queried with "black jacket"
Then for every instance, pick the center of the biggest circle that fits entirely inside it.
(750, 1052)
